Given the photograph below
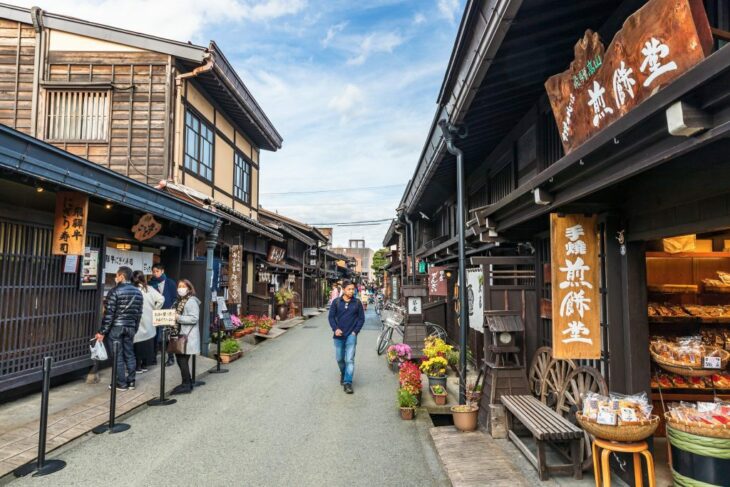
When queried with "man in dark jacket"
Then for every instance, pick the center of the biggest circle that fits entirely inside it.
(168, 288)
(121, 319)
(346, 318)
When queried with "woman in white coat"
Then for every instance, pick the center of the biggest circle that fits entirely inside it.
(144, 346)
(187, 309)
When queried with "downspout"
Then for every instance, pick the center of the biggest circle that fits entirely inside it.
(36, 15)
(400, 259)
(210, 242)
(449, 131)
(413, 247)
(304, 287)
(203, 68)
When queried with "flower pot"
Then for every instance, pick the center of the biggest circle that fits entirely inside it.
(439, 399)
(227, 358)
(407, 413)
(394, 366)
(465, 417)
(249, 330)
(283, 311)
(264, 331)
(239, 333)
(437, 381)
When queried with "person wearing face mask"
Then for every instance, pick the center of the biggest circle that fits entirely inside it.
(122, 314)
(168, 288)
(187, 312)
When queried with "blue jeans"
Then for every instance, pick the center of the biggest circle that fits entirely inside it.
(345, 355)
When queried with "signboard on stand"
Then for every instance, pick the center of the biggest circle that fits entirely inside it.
(235, 273)
(69, 226)
(575, 285)
(163, 317)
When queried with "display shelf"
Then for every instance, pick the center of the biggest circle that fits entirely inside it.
(687, 396)
(697, 320)
(701, 255)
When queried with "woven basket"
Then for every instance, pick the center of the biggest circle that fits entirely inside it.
(695, 429)
(625, 432)
(686, 370)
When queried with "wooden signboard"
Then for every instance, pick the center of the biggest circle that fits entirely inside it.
(659, 42)
(437, 282)
(235, 273)
(575, 287)
(276, 254)
(69, 226)
(146, 228)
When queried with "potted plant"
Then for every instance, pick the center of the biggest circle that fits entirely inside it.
(409, 379)
(249, 324)
(435, 369)
(439, 395)
(230, 351)
(407, 403)
(398, 354)
(264, 324)
(282, 297)
(473, 393)
(465, 416)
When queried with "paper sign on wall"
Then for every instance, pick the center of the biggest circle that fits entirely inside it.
(137, 261)
(475, 297)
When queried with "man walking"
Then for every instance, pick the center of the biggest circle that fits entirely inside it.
(346, 319)
(122, 314)
(168, 288)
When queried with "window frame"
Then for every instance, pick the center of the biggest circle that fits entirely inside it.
(239, 156)
(196, 158)
(50, 91)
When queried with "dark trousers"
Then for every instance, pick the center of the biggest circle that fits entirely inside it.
(125, 358)
(183, 363)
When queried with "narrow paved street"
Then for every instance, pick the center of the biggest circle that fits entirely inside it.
(279, 418)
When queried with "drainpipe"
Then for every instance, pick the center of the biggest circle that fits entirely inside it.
(400, 261)
(205, 67)
(36, 15)
(210, 242)
(449, 131)
(413, 247)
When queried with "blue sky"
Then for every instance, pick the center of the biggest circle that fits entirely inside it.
(351, 86)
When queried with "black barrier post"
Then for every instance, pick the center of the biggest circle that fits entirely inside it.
(195, 383)
(161, 401)
(42, 466)
(218, 369)
(111, 426)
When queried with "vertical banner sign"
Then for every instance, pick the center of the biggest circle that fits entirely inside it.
(575, 284)
(69, 226)
(235, 270)
(475, 297)
(437, 285)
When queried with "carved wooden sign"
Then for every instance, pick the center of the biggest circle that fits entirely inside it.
(276, 254)
(69, 226)
(235, 273)
(146, 228)
(656, 44)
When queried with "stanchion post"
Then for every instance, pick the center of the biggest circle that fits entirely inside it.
(194, 382)
(112, 426)
(161, 401)
(42, 466)
(218, 369)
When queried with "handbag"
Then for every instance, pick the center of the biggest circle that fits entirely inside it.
(179, 343)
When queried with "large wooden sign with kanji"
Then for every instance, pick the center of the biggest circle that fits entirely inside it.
(575, 284)
(69, 226)
(656, 44)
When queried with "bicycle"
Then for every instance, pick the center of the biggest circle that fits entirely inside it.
(386, 336)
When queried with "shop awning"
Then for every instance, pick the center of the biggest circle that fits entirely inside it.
(22, 154)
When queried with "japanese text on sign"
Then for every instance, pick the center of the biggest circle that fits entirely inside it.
(69, 229)
(437, 285)
(235, 273)
(576, 325)
(137, 261)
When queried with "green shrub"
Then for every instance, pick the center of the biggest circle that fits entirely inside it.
(230, 346)
(406, 399)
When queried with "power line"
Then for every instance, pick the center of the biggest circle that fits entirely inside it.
(352, 224)
(320, 191)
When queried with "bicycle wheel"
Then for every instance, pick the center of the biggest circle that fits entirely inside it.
(384, 340)
(436, 331)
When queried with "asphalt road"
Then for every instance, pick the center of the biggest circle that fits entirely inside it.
(278, 418)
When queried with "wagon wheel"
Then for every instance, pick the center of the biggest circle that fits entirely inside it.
(555, 378)
(538, 369)
(570, 400)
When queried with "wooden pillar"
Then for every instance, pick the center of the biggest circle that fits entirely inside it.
(635, 318)
(615, 305)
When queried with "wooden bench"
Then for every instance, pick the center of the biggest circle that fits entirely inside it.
(546, 426)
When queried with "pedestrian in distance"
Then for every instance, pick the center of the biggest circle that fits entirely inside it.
(334, 294)
(187, 314)
(346, 317)
(122, 314)
(144, 346)
(168, 288)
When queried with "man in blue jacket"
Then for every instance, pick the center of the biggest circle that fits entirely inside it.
(168, 288)
(346, 319)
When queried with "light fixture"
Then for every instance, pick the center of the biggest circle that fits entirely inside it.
(39, 189)
(108, 206)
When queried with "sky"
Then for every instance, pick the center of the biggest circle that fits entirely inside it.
(351, 86)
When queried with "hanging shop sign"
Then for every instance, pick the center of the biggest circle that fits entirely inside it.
(235, 273)
(575, 285)
(437, 283)
(276, 254)
(69, 226)
(137, 261)
(475, 298)
(90, 269)
(656, 44)
(146, 228)
(422, 266)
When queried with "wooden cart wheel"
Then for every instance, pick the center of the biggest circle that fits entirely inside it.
(538, 369)
(570, 400)
(555, 377)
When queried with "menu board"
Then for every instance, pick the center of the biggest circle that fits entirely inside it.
(90, 269)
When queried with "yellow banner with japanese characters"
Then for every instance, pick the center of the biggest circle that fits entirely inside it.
(575, 287)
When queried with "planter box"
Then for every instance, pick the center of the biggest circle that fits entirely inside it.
(407, 413)
(439, 399)
(227, 358)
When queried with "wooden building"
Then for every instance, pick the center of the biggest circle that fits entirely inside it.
(647, 169)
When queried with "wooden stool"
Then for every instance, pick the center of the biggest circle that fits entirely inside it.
(637, 449)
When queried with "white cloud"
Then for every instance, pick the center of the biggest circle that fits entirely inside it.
(449, 9)
(375, 43)
(332, 32)
(272, 9)
(419, 18)
(349, 103)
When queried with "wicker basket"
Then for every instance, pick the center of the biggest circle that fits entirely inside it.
(695, 429)
(686, 370)
(625, 432)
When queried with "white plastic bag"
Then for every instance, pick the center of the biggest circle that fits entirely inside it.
(98, 351)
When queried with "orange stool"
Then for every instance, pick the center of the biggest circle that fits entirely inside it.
(637, 449)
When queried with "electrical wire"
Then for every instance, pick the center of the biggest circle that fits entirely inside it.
(320, 191)
(354, 223)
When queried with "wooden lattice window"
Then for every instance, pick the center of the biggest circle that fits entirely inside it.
(77, 116)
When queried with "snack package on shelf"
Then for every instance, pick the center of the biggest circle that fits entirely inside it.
(616, 409)
(710, 414)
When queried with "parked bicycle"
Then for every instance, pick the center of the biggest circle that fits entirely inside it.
(396, 322)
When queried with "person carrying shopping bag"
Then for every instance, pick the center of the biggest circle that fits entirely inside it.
(185, 340)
